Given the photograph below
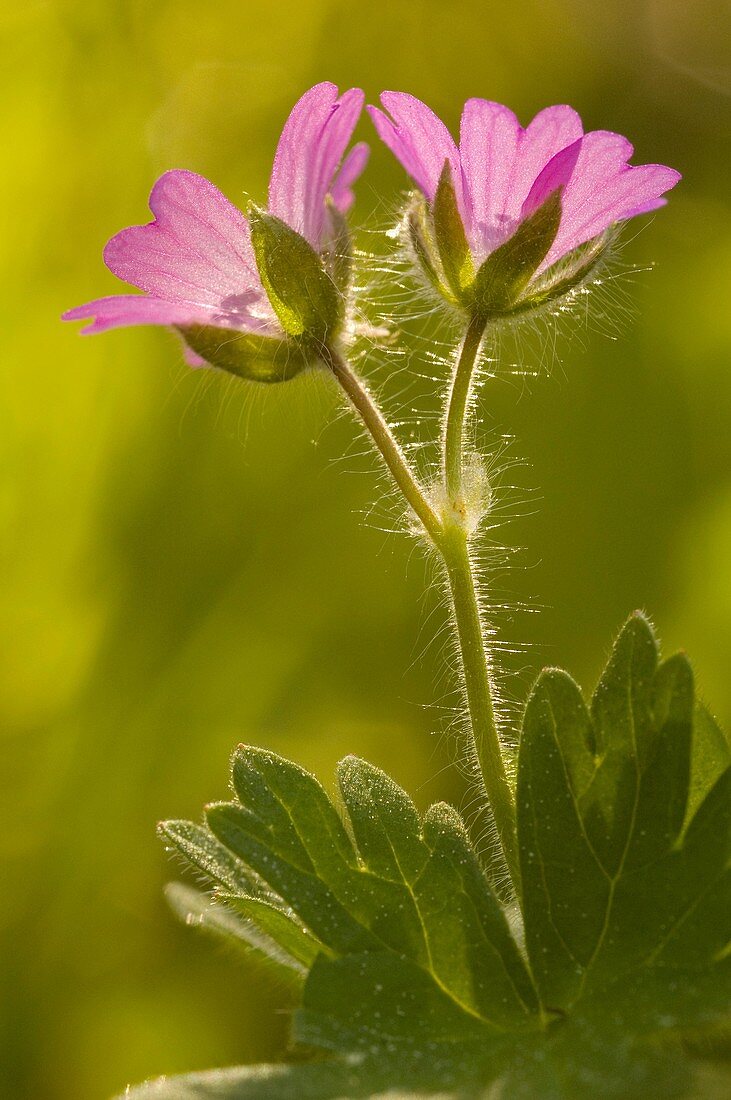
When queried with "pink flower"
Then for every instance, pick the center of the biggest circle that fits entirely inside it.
(195, 263)
(502, 173)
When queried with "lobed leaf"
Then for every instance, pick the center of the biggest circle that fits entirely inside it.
(418, 983)
(609, 882)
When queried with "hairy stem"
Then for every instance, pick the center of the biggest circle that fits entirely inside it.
(449, 535)
(457, 411)
(474, 654)
(382, 436)
(479, 692)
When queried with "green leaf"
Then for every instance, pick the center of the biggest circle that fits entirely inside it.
(278, 927)
(469, 950)
(304, 827)
(295, 808)
(247, 355)
(385, 824)
(558, 866)
(454, 249)
(408, 887)
(294, 880)
(616, 985)
(280, 949)
(302, 294)
(200, 848)
(607, 881)
(331, 1080)
(391, 1000)
(643, 720)
(710, 757)
(508, 270)
(472, 949)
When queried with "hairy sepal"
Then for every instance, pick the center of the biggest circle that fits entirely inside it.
(421, 243)
(451, 239)
(507, 271)
(306, 300)
(248, 355)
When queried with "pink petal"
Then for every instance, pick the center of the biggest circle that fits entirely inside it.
(488, 144)
(198, 248)
(604, 189)
(419, 140)
(350, 170)
(135, 309)
(309, 152)
(552, 130)
(555, 174)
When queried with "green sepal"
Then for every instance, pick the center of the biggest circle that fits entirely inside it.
(454, 249)
(507, 271)
(302, 294)
(420, 239)
(506, 284)
(568, 274)
(248, 355)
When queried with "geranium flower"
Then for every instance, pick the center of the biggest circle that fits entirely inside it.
(196, 264)
(501, 175)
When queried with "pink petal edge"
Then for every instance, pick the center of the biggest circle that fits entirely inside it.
(309, 154)
(197, 249)
(418, 139)
(120, 310)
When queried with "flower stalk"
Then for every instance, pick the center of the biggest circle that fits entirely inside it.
(449, 532)
(364, 404)
(474, 654)
(479, 693)
(457, 411)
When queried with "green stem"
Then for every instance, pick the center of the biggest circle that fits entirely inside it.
(457, 410)
(383, 438)
(449, 535)
(479, 691)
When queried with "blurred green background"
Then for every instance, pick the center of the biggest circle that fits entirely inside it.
(187, 563)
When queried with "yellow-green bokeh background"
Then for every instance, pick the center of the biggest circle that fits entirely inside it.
(185, 565)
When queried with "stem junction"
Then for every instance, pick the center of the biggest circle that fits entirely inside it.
(448, 529)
